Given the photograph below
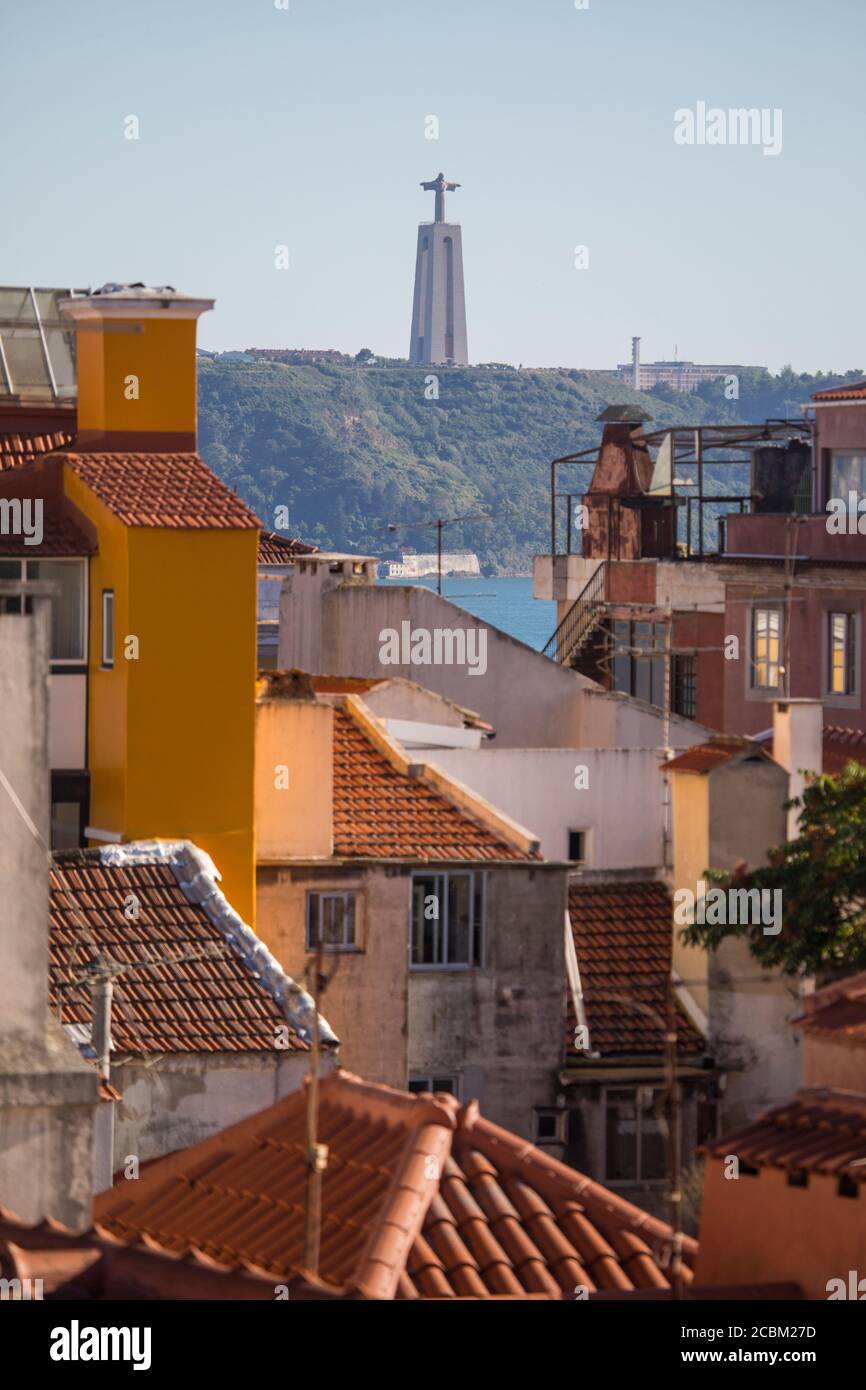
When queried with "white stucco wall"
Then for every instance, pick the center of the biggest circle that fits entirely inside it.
(621, 807)
(181, 1099)
(531, 701)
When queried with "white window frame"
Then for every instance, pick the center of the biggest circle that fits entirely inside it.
(477, 889)
(321, 894)
(26, 577)
(757, 690)
(108, 659)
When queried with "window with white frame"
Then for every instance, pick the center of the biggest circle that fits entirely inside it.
(332, 920)
(635, 1149)
(447, 925)
(108, 628)
(68, 603)
(766, 663)
(842, 654)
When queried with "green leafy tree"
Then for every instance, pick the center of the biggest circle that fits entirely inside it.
(822, 878)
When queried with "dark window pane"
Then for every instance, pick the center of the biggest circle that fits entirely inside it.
(622, 674)
(427, 912)
(575, 846)
(459, 908)
(653, 1148)
(67, 606)
(642, 673)
(478, 919)
(621, 1136)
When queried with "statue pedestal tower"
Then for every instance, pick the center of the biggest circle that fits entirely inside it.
(439, 305)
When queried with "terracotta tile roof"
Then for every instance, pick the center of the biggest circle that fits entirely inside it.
(703, 757)
(856, 391)
(60, 537)
(381, 813)
(817, 1131)
(19, 446)
(173, 490)
(840, 746)
(278, 550)
(344, 685)
(421, 1198)
(837, 1012)
(623, 937)
(92, 1266)
(190, 988)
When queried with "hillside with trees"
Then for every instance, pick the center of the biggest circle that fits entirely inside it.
(349, 447)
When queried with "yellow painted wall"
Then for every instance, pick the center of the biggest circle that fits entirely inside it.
(171, 735)
(690, 802)
(294, 821)
(160, 353)
(191, 694)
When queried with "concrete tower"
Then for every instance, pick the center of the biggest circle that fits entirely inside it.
(439, 306)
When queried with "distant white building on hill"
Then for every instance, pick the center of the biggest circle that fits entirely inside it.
(413, 566)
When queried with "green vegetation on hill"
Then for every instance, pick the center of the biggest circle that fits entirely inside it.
(349, 449)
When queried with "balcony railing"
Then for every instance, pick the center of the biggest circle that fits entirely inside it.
(579, 622)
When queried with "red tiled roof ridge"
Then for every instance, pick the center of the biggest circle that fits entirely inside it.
(854, 390)
(623, 941)
(703, 757)
(548, 1173)
(180, 905)
(178, 491)
(495, 836)
(819, 1129)
(498, 1217)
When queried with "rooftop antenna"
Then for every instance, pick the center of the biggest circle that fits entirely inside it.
(440, 523)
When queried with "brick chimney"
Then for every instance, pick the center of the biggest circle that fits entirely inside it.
(136, 367)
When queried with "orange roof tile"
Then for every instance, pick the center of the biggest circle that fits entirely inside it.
(623, 937)
(381, 813)
(61, 537)
(172, 490)
(703, 757)
(856, 391)
(280, 550)
(817, 1131)
(188, 986)
(837, 1012)
(840, 746)
(421, 1198)
(23, 446)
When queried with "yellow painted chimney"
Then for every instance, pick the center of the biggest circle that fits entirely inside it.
(136, 368)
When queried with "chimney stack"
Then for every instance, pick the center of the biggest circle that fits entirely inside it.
(635, 363)
(136, 368)
(798, 730)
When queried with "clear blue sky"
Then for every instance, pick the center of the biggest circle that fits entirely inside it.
(261, 126)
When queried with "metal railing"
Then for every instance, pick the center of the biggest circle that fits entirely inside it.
(580, 620)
